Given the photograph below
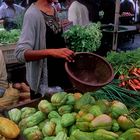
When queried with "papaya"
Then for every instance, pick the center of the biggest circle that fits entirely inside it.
(6, 128)
(125, 122)
(102, 121)
(118, 108)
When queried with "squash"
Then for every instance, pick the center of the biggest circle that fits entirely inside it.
(125, 122)
(8, 128)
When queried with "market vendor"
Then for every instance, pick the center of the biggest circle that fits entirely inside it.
(43, 49)
(3, 75)
(11, 14)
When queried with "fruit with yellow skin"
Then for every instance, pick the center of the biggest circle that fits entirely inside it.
(8, 128)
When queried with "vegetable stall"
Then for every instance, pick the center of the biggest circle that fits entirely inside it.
(110, 113)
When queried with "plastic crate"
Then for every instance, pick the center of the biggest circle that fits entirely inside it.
(8, 53)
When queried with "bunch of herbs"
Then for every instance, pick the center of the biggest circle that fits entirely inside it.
(84, 38)
(123, 61)
(9, 37)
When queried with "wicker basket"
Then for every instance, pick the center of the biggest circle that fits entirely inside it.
(8, 53)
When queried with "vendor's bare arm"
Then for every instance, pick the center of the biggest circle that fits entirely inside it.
(33, 55)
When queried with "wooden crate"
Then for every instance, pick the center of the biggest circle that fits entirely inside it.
(8, 53)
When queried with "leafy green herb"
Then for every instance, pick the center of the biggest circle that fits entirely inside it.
(8, 37)
(84, 39)
(123, 61)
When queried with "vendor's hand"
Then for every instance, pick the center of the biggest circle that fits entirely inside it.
(62, 53)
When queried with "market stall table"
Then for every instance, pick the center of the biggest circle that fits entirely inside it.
(125, 33)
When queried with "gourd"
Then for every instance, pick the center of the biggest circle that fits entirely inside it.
(15, 115)
(115, 126)
(67, 119)
(83, 126)
(49, 138)
(45, 106)
(49, 129)
(65, 109)
(27, 111)
(59, 128)
(59, 98)
(70, 99)
(33, 120)
(8, 128)
(86, 99)
(95, 110)
(79, 135)
(33, 133)
(61, 136)
(102, 134)
(53, 114)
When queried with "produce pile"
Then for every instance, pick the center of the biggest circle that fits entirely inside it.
(14, 94)
(8, 37)
(127, 67)
(122, 61)
(68, 116)
(84, 39)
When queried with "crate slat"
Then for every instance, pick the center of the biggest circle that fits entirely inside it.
(8, 53)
